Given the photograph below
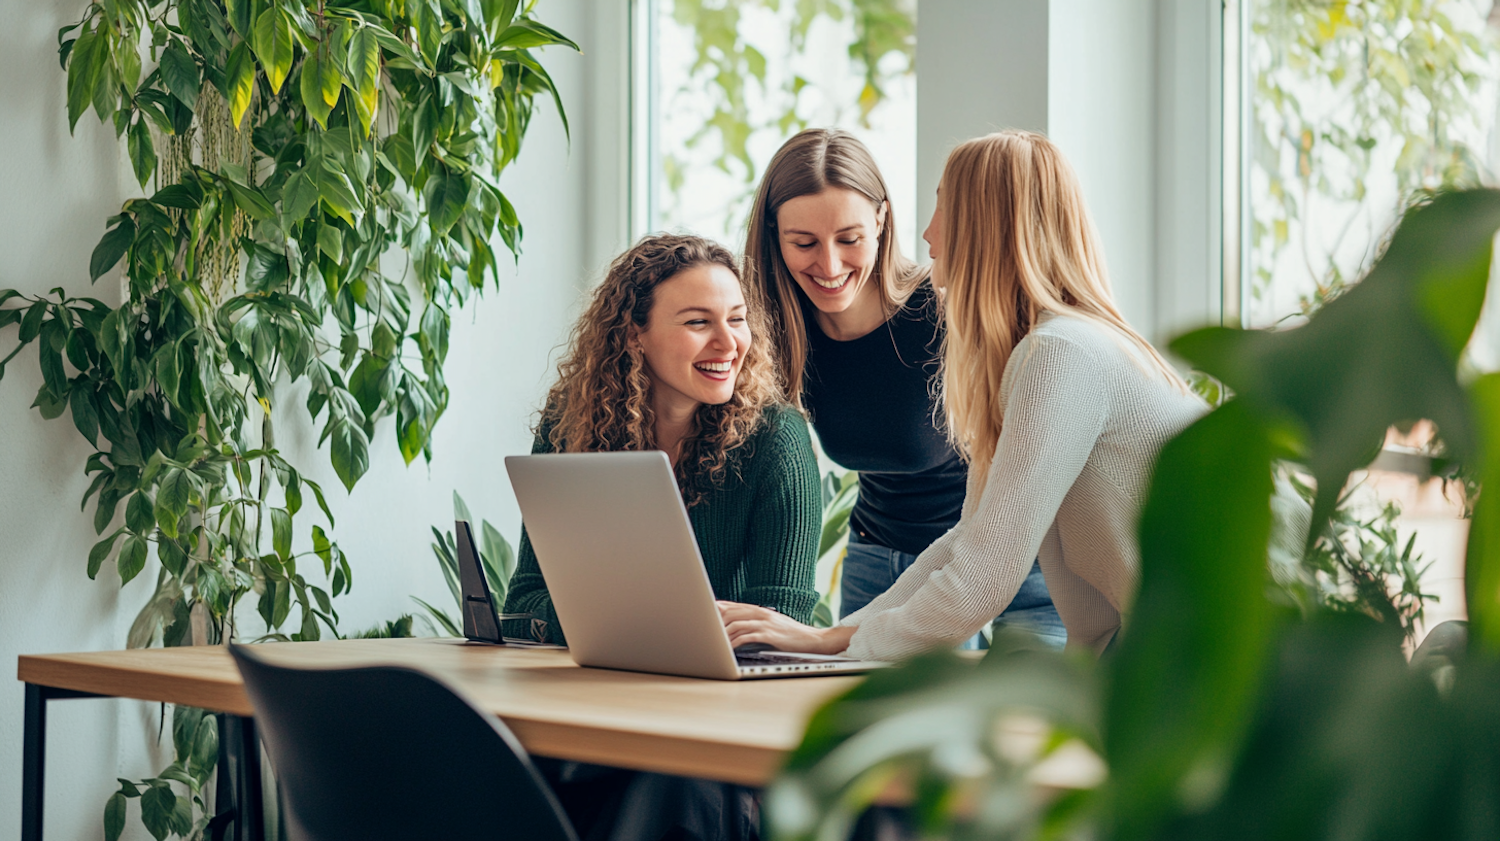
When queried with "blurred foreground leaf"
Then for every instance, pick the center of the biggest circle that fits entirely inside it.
(1384, 352)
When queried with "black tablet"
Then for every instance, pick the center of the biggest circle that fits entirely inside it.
(481, 619)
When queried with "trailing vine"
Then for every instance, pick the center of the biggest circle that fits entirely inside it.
(323, 190)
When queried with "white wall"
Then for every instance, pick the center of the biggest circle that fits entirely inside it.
(1101, 102)
(55, 192)
(981, 67)
(1129, 90)
(1189, 178)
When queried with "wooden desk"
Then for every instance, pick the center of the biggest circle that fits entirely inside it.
(736, 731)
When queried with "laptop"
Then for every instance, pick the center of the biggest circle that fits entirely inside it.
(616, 547)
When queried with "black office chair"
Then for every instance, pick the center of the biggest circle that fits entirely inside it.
(391, 753)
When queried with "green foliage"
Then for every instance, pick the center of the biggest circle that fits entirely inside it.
(398, 628)
(839, 495)
(175, 386)
(168, 809)
(1222, 714)
(1356, 564)
(1339, 87)
(923, 724)
(297, 147)
(733, 71)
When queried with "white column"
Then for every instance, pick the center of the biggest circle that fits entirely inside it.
(981, 67)
(1129, 90)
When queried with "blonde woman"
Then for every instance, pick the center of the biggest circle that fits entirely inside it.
(1057, 404)
(859, 333)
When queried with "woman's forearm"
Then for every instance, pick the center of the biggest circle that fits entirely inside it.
(836, 639)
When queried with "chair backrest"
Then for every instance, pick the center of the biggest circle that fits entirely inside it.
(392, 753)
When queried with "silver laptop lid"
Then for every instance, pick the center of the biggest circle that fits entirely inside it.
(617, 551)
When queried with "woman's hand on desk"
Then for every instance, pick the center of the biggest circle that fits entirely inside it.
(747, 623)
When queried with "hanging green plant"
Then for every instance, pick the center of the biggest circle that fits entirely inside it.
(323, 192)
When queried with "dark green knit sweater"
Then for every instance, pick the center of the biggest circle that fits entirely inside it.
(758, 532)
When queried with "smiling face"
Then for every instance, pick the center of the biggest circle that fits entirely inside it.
(695, 338)
(830, 242)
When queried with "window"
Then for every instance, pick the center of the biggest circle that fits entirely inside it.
(728, 81)
(1354, 109)
(1351, 111)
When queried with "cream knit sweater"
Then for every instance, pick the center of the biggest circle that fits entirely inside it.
(1084, 417)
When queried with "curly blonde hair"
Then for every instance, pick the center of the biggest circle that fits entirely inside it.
(601, 401)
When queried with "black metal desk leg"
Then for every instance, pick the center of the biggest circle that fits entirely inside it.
(33, 763)
(239, 778)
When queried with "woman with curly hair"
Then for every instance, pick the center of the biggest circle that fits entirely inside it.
(666, 357)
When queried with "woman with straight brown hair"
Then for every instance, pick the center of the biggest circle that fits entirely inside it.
(1058, 406)
(859, 331)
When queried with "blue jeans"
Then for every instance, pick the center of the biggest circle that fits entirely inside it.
(870, 569)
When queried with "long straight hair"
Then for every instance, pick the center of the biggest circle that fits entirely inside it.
(811, 162)
(1017, 242)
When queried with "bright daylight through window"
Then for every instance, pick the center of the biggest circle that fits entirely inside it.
(731, 80)
(1356, 111)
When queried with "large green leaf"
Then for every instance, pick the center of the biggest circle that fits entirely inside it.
(249, 199)
(84, 63)
(1482, 560)
(180, 73)
(1381, 354)
(114, 816)
(311, 88)
(364, 75)
(172, 496)
(447, 195)
(111, 248)
(85, 416)
(173, 558)
(273, 45)
(1351, 743)
(528, 33)
(281, 533)
(158, 805)
(239, 16)
(337, 191)
(100, 552)
(240, 79)
(132, 558)
(298, 198)
(499, 14)
(548, 85)
(350, 452)
(142, 151)
(1185, 676)
(140, 513)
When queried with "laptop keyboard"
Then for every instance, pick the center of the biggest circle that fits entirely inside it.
(770, 658)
